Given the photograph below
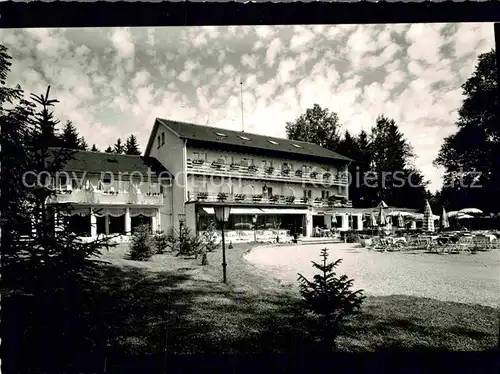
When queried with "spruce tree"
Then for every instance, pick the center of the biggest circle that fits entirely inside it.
(109, 150)
(118, 147)
(83, 144)
(94, 148)
(131, 146)
(69, 137)
(330, 298)
(44, 267)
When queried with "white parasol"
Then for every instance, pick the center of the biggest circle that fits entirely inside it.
(470, 211)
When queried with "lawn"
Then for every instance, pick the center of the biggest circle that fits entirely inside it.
(176, 306)
(255, 312)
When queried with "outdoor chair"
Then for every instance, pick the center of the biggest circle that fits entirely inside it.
(374, 241)
(464, 244)
(481, 243)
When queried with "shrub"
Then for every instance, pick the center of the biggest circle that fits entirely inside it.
(351, 237)
(141, 246)
(186, 243)
(210, 237)
(161, 241)
(329, 298)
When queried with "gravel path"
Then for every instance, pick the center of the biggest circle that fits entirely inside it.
(465, 278)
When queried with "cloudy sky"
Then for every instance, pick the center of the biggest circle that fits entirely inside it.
(112, 82)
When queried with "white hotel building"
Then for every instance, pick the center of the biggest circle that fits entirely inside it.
(289, 186)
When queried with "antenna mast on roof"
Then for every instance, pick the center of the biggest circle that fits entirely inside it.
(241, 94)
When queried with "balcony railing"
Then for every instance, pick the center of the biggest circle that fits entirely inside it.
(101, 197)
(261, 199)
(254, 172)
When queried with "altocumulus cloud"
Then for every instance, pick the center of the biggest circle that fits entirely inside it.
(114, 82)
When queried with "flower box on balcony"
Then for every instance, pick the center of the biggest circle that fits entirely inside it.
(252, 168)
(326, 175)
(285, 171)
(222, 196)
(202, 195)
(274, 198)
(290, 199)
(239, 197)
(257, 197)
(269, 170)
(313, 174)
(298, 173)
(198, 162)
(216, 164)
(235, 166)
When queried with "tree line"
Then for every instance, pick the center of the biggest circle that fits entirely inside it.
(470, 157)
(376, 156)
(69, 138)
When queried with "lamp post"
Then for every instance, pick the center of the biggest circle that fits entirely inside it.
(182, 220)
(222, 215)
(254, 220)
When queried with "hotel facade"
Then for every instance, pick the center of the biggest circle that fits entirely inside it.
(275, 187)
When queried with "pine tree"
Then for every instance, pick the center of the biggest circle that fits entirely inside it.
(83, 144)
(94, 148)
(109, 150)
(69, 137)
(330, 298)
(131, 146)
(7, 94)
(392, 163)
(45, 269)
(142, 244)
(118, 147)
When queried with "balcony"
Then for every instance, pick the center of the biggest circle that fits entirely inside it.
(254, 172)
(88, 197)
(261, 199)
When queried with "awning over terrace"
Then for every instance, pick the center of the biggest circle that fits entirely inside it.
(243, 211)
(283, 211)
(254, 211)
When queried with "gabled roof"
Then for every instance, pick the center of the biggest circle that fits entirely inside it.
(222, 137)
(98, 162)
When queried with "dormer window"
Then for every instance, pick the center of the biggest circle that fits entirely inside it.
(297, 146)
(243, 137)
(220, 134)
(273, 142)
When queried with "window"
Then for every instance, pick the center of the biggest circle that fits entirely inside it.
(74, 184)
(296, 145)
(325, 194)
(220, 134)
(162, 138)
(196, 156)
(159, 141)
(243, 137)
(308, 193)
(273, 142)
(63, 181)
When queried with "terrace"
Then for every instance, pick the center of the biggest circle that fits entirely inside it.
(84, 196)
(261, 199)
(201, 167)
